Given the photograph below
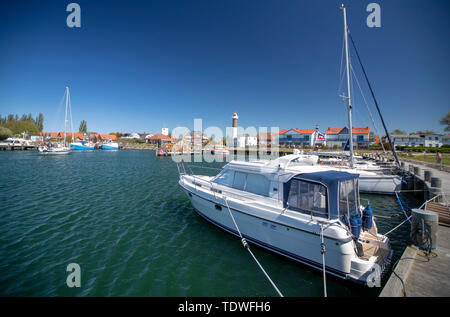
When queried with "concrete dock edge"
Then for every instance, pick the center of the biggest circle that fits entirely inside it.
(394, 286)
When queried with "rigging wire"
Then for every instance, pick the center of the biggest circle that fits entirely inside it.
(341, 70)
(374, 99)
(367, 106)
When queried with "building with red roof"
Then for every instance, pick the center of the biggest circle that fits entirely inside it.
(159, 137)
(299, 137)
(339, 137)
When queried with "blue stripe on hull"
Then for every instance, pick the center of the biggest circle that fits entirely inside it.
(106, 147)
(78, 147)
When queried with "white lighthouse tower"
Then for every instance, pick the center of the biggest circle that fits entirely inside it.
(235, 119)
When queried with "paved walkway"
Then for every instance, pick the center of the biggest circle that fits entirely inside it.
(444, 176)
(422, 276)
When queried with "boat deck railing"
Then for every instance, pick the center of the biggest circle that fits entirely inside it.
(201, 181)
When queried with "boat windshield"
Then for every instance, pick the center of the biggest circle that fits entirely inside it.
(348, 197)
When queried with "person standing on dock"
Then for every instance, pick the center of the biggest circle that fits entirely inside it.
(439, 159)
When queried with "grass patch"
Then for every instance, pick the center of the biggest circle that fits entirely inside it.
(428, 158)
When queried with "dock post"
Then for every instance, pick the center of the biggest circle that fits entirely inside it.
(436, 187)
(427, 175)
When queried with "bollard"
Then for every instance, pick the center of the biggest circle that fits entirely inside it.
(436, 185)
(436, 182)
(416, 170)
(411, 168)
(427, 175)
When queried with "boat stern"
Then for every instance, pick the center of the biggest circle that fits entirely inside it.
(374, 259)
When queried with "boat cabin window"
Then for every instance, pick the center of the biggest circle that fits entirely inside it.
(348, 197)
(257, 184)
(308, 197)
(225, 177)
(252, 183)
(239, 180)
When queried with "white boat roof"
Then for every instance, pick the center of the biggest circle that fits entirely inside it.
(285, 167)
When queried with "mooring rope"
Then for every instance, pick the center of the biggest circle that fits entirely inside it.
(392, 230)
(245, 244)
(323, 250)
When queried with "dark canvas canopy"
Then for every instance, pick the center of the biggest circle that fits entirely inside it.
(331, 180)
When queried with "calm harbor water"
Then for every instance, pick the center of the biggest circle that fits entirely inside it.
(123, 219)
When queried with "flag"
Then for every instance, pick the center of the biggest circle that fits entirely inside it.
(320, 136)
(347, 145)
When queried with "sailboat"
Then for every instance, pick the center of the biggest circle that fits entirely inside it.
(296, 209)
(58, 148)
(373, 179)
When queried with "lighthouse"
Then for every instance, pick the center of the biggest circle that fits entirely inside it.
(235, 119)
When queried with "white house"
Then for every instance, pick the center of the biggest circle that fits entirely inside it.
(446, 139)
(244, 140)
(165, 131)
(407, 140)
(36, 138)
(433, 140)
(415, 140)
(133, 135)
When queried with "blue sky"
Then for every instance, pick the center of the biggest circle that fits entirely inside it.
(136, 66)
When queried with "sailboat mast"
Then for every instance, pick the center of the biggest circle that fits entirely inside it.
(349, 100)
(65, 118)
(71, 119)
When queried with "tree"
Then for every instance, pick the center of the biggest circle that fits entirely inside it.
(83, 126)
(40, 122)
(397, 131)
(5, 133)
(446, 121)
(18, 127)
(426, 132)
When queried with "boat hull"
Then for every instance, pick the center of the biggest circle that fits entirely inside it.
(80, 147)
(54, 152)
(113, 146)
(384, 185)
(298, 243)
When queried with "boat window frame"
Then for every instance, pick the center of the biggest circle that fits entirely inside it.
(357, 198)
(244, 189)
(306, 211)
(214, 180)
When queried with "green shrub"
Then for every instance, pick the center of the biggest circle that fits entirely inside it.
(5, 133)
(421, 149)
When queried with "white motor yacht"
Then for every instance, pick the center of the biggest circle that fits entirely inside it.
(284, 204)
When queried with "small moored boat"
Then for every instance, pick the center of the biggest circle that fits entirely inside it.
(82, 145)
(110, 145)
